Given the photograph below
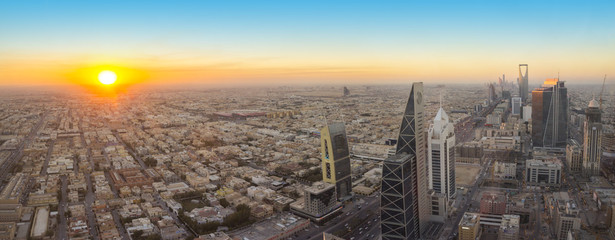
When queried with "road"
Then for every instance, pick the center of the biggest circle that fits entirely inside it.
(468, 201)
(369, 210)
(62, 226)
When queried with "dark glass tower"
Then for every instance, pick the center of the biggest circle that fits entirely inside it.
(550, 115)
(403, 201)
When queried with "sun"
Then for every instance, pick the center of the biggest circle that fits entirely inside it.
(107, 77)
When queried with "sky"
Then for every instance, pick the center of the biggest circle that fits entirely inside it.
(304, 42)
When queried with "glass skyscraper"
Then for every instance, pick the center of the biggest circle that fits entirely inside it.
(550, 115)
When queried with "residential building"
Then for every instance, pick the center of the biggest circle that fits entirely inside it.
(493, 203)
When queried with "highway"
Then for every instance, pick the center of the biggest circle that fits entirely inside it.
(369, 210)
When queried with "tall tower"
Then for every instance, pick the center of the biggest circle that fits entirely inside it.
(592, 138)
(523, 87)
(404, 201)
(550, 115)
(336, 159)
(441, 155)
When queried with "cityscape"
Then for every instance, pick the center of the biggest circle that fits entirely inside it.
(175, 145)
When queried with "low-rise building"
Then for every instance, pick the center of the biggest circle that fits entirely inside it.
(543, 172)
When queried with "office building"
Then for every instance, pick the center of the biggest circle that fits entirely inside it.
(523, 83)
(404, 201)
(509, 228)
(543, 172)
(515, 105)
(336, 159)
(441, 155)
(574, 156)
(469, 226)
(592, 138)
(550, 115)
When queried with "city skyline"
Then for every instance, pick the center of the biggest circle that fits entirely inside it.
(295, 43)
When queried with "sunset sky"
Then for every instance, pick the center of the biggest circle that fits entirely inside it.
(275, 42)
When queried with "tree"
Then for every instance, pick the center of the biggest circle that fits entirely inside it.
(150, 162)
(137, 234)
(239, 218)
(224, 202)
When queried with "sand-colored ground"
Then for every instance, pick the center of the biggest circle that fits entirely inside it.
(465, 175)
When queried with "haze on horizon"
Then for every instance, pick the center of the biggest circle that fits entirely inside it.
(281, 42)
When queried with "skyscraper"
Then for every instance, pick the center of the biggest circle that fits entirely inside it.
(404, 201)
(491, 93)
(550, 115)
(336, 158)
(441, 155)
(523, 87)
(592, 138)
(516, 105)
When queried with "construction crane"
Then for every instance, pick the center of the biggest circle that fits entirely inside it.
(601, 91)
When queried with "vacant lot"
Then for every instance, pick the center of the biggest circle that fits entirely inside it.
(465, 175)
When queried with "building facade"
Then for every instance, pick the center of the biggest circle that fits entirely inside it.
(574, 156)
(404, 202)
(515, 105)
(550, 115)
(320, 198)
(592, 139)
(441, 155)
(336, 159)
(543, 172)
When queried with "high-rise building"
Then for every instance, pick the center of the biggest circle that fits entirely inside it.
(336, 159)
(523, 83)
(491, 93)
(592, 138)
(469, 226)
(441, 155)
(516, 105)
(404, 201)
(574, 156)
(550, 115)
